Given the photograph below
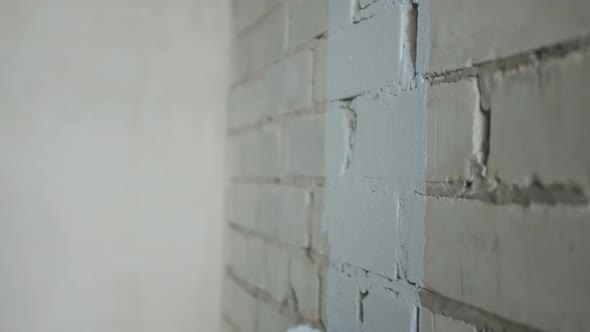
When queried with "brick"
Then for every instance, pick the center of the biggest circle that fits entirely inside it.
(525, 264)
(365, 214)
(463, 32)
(289, 83)
(248, 259)
(384, 129)
(539, 122)
(246, 12)
(304, 146)
(450, 109)
(319, 71)
(256, 153)
(306, 284)
(382, 309)
(364, 56)
(248, 104)
(277, 272)
(430, 322)
(267, 42)
(241, 307)
(242, 209)
(319, 231)
(308, 19)
(284, 214)
(342, 303)
(270, 319)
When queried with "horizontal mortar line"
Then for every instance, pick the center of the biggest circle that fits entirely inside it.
(264, 296)
(494, 191)
(308, 46)
(295, 115)
(480, 318)
(298, 181)
(269, 239)
(528, 58)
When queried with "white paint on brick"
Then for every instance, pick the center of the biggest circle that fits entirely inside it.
(383, 129)
(284, 214)
(319, 231)
(246, 12)
(266, 42)
(383, 310)
(243, 206)
(540, 122)
(308, 19)
(248, 259)
(529, 265)
(306, 284)
(270, 319)
(342, 302)
(362, 231)
(463, 32)
(319, 71)
(240, 306)
(364, 56)
(430, 322)
(256, 153)
(450, 111)
(277, 272)
(304, 146)
(289, 83)
(248, 104)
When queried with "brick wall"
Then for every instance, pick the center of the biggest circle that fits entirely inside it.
(275, 192)
(409, 166)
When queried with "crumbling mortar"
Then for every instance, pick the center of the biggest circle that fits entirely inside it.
(494, 191)
(531, 58)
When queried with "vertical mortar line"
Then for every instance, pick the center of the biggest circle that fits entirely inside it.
(481, 128)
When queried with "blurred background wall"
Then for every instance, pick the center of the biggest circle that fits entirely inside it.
(111, 136)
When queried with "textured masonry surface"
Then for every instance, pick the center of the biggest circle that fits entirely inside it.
(402, 165)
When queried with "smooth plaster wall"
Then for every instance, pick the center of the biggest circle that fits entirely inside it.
(112, 142)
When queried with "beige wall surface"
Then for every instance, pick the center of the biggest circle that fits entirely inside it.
(112, 142)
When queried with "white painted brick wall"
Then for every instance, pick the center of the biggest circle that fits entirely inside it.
(463, 32)
(526, 264)
(540, 122)
(450, 108)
